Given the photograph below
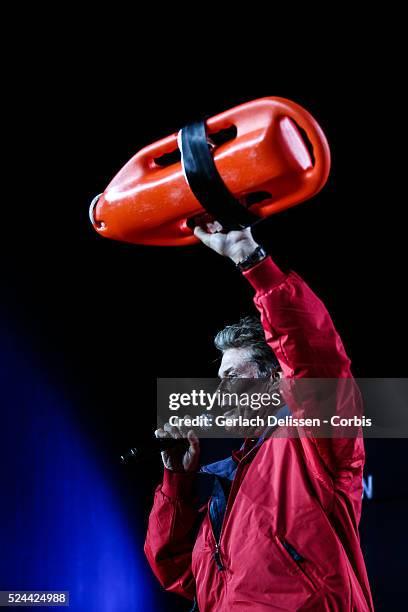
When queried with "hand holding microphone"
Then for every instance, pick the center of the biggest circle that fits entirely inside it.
(179, 458)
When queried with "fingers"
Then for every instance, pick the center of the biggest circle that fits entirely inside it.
(167, 431)
(204, 232)
(172, 430)
(160, 433)
(213, 227)
(202, 235)
(183, 429)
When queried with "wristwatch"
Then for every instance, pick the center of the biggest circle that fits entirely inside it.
(251, 260)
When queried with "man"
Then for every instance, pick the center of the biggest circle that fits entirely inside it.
(284, 534)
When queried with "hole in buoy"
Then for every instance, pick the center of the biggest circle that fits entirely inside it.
(223, 136)
(255, 198)
(168, 159)
(306, 142)
(200, 219)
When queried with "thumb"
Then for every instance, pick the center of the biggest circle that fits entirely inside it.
(202, 235)
(194, 442)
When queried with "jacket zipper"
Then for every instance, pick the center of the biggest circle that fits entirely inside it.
(217, 552)
(293, 553)
(297, 558)
(217, 558)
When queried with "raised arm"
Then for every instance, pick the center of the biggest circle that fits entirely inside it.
(297, 325)
(302, 335)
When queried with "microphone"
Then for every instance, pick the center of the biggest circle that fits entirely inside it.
(148, 449)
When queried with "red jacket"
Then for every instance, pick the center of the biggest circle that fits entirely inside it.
(289, 538)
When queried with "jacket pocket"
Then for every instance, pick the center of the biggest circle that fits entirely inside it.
(296, 563)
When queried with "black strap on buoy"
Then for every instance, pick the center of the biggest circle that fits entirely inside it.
(206, 182)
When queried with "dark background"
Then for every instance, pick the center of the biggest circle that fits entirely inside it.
(101, 320)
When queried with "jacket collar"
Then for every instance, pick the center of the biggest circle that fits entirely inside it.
(226, 468)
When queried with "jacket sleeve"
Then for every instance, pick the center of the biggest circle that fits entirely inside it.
(171, 533)
(301, 333)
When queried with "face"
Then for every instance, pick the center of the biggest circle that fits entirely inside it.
(238, 363)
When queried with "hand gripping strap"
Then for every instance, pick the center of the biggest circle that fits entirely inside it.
(206, 183)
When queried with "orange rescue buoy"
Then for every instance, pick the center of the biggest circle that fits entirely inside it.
(258, 158)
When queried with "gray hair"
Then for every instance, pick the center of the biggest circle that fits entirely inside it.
(249, 333)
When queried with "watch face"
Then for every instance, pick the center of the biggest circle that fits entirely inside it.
(252, 259)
